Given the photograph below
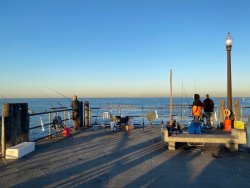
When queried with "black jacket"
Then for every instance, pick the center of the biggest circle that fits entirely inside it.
(208, 105)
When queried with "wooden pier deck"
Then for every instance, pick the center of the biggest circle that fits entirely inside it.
(137, 159)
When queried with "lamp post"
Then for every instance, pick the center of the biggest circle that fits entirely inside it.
(228, 43)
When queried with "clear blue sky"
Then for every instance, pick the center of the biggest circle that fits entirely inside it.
(122, 48)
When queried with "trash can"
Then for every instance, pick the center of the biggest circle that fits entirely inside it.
(227, 125)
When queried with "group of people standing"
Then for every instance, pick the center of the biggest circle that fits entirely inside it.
(207, 106)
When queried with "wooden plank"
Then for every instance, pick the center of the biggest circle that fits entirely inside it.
(201, 136)
(237, 137)
(16, 123)
(203, 140)
(237, 114)
(222, 108)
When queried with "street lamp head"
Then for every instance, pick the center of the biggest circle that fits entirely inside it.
(229, 40)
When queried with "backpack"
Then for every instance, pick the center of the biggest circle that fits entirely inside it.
(195, 127)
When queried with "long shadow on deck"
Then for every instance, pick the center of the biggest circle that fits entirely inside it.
(194, 168)
(58, 150)
(116, 162)
(96, 170)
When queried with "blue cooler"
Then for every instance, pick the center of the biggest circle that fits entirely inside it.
(195, 127)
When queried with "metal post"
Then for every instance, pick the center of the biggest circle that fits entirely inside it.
(229, 80)
(218, 120)
(222, 108)
(49, 126)
(171, 97)
(86, 114)
(64, 113)
(237, 110)
(3, 135)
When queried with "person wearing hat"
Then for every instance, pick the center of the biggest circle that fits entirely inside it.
(75, 112)
(208, 108)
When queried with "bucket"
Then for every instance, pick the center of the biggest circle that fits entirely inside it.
(66, 132)
(227, 125)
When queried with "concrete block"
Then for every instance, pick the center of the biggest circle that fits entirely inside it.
(171, 145)
(19, 150)
(164, 135)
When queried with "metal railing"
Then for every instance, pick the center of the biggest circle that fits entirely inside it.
(182, 113)
(44, 130)
(245, 112)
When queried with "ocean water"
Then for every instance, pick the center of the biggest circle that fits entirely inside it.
(138, 108)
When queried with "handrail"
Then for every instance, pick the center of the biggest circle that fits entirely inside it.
(181, 111)
(46, 124)
(49, 112)
(53, 110)
(137, 112)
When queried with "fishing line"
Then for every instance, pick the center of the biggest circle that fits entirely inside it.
(48, 98)
(59, 93)
(57, 115)
(2, 96)
(187, 99)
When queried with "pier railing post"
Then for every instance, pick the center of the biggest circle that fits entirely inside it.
(217, 118)
(3, 135)
(222, 108)
(237, 110)
(81, 113)
(49, 126)
(86, 114)
(248, 120)
(15, 124)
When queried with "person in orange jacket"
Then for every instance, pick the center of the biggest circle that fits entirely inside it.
(197, 107)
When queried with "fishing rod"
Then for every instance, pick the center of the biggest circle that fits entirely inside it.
(48, 97)
(59, 93)
(161, 114)
(51, 105)
(2, 96)
(57, 117)
(161, 119)
(187, 99)
(181, 105)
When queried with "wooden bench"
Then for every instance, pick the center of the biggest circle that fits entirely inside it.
(230, 140)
